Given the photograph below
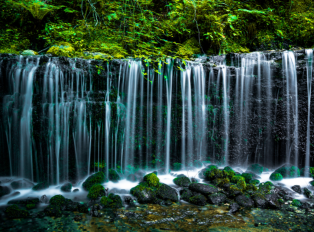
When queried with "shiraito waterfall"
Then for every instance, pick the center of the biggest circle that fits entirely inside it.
(62, 119)
(119, 141)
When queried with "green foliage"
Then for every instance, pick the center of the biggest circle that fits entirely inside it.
(152, 180)
(296, 202)
(96, 191)
(247, 176)
(255, 182)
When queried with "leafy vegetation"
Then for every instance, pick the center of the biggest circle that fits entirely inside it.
(154, 28)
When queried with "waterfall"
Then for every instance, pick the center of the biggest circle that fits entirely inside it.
(309, 71)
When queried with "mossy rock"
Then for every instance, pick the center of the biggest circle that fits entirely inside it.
(182, 181)
(236, 178)
(96, 191)
(61, 49)
(58, 200)
(151, 179)
(67, 187)
(227, 168)
(255, 182)
(13, 211)
(296, 202)
(113, 175)
(53, 211)
(97, 178)
(144, 193)
(198, 199)
(307, 171)
(265, 187)
(241, 184)
(25, 201)
(29, 53)
(30, 206)
(41, 186)
(288, 171)
(217, 198)
(221, 181)
(165, 192)
(247, 176)
(82, 208)
(275, 176)
(312, 182)
(112, 201)
(256, 168)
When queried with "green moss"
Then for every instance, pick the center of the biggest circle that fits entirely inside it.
(62, 49)
(296, 202)
(307, 171)
(288, 171)
(227, 168)
(189, 48)
(13, 211)
(255, 182)
(281, 201)
(112, 201)
(57, 200)
(113, 175)
(256, 168)
(182, 181)
(152, 180)
(236, 178)
(30, 206)
(276, 176)
(96, 191)
(41, 186)
(222, 181)
(247, 176)
(241, 184)
(97, 178)
(251, 187)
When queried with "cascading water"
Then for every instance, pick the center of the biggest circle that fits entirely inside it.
(64, 120)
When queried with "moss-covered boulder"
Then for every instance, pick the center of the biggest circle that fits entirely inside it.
(58, 200)
(114, 175)
(197, 199)
(275, 176)
(244, 201)
(228, 169)
(61, 49)
(29, 53)
(53, 211)
(97, 178)
(96, 191)
(144, 193)
(151, 179)
(296, 202)
(288, 171)
(112, 201)
(185, 194)
(247, 176)
(25, 201)
(67, 187)
(30, 206)
(205, 189)
(307, 193)
(182, 181)
(13, 211)
(4, 190)
(165, 192)
(255, 168)
(219, 177)
(236, 178)
(41, 186)
(82, 207)
(217, 198)
(255, 182)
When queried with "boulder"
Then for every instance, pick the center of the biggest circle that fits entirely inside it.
(13, 211)
(255, 168)
(67, 187)
(53, 211)
(205, 189)
(96, 191)
(97, 178)
(112, 201)
(21, 184)
(217, 198)
(29, 53)
(144, 193)
(272, 201)
(58, 200)
(233, 207)
(244, 201)
(247, 176)
(113, 175)
(151, 179)
(260, 201)
(4, 190)
(198, 199)
(185, 194)
(288, 171)
(275, 176)
(297, 189)
(75, 190)
(182, 181)
(307, 193)
(41, 186)
(165, 192)
(44, 199)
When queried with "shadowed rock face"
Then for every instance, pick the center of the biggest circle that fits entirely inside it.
(93, 95)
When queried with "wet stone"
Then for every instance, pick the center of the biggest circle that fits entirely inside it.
(297, 189)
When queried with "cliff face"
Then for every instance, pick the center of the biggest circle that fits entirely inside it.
(63, 118)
